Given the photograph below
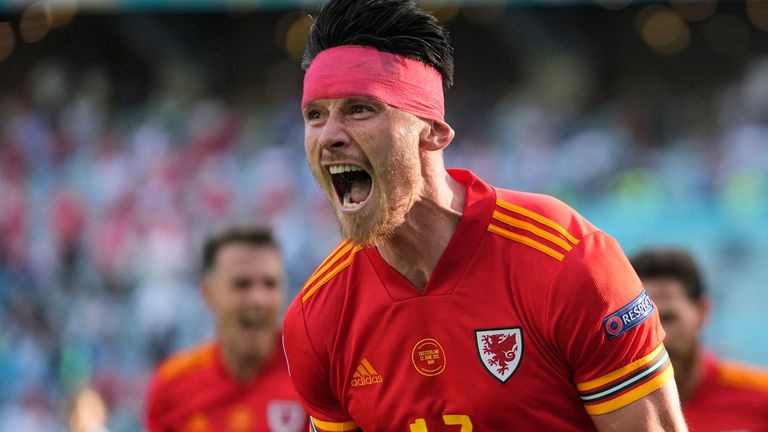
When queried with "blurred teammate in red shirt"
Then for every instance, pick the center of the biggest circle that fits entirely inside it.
(717, 395)
(240, 381)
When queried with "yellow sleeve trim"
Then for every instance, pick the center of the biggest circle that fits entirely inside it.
(613, 376)
(546, 235)
(526, 241)
(330, 274)
(332, 258)
(335, 426)
(633, 395)
(538, 218)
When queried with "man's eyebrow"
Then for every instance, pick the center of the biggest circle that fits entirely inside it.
(309, 105)
(345, 102)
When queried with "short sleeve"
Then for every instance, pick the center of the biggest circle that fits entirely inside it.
(309, 372)
(606, 327)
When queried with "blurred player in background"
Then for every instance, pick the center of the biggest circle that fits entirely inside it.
(239, 382)
(716, 395)
(451, 304)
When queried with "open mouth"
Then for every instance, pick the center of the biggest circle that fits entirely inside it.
(253, 322)
(352, 185)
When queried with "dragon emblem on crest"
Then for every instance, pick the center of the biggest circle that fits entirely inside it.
(500, 351)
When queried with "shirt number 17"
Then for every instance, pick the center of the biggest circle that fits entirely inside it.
(449, 419)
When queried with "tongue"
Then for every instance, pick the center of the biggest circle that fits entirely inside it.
(359, 190)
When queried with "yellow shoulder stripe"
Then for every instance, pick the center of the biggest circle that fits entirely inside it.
(632, 395)
(741, 376)
(526, 241)
(538, 218)
(335, 426)
(533, 229)
(341, 266)
(337, 253)
(187, 361)
(618, 373)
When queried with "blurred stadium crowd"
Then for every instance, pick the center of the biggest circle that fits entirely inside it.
(104, 206)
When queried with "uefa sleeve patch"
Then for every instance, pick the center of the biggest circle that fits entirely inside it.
(628, 317)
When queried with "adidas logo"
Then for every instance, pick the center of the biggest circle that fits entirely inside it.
(365, 375)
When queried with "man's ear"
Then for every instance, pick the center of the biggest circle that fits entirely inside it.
(436, 135)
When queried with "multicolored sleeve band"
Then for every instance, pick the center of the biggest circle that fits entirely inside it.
(358, 71)
(316, 425)
(627, 384)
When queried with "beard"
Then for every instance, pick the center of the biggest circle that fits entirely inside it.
(395, 183)
(369, 228)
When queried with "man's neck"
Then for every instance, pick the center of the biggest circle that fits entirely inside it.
(245, 367)
(689, 372)
(416, 246)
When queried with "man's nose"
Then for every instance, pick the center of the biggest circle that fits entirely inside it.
(257, 294)
(333, 135)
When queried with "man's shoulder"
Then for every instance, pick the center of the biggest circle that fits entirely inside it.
(330, 273)
(319, 296)
(564, 245)
(187, 362)
(312, 320)
(742, 376)
(546, 225)
(544, 210)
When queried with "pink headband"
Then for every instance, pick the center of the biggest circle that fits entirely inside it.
(357, 71)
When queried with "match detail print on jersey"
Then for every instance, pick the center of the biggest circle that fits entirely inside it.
(500, 351)
(428, 357)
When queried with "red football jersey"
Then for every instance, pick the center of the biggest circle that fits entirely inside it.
(730, 397)
(193, 392)
(531, 320)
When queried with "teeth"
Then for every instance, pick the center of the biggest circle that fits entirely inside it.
(338, 169)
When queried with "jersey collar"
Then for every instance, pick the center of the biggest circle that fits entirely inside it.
(479, 203)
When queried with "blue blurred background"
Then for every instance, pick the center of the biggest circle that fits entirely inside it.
(131, 129)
